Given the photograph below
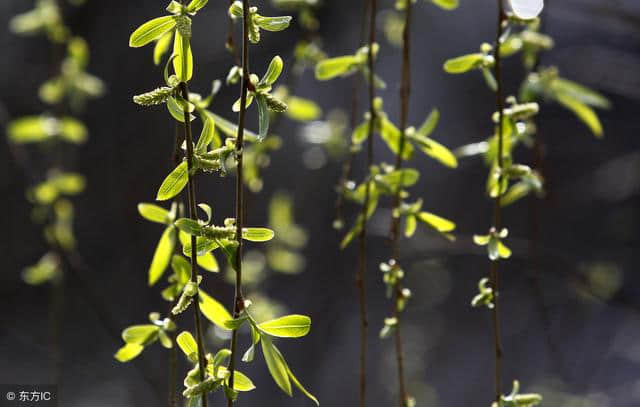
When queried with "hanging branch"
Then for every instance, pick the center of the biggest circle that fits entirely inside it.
(497, 215)
(238, 303)
(191, 194)
(347, 166)
(405, 93)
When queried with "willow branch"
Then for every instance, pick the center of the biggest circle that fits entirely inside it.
(238, 304)
(497, 221)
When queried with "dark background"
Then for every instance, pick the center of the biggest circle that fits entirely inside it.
(574, 340)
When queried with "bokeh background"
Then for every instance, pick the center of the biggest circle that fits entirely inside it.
(570, 314)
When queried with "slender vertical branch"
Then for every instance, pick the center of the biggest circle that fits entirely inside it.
(362, 252)
(347, 166)
(191, 193)
(238, 303)
(497, 221)
(405, 93)
(176, 158)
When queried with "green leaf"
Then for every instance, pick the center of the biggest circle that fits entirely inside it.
(154, 213)
(207, 135)
(463, 63)
(196, 5)
(213, 310)
(290, 326)
(360, 133)
(435, 150)
(273, 72)
(580, 92)
(303, 110)
(586, 114)
(183, 64)
(151, 30)
(208, 262)
(408, 176)
(181, 267)
(32, 129)
(230, 129)
(429, 124)
(72, 130)
(273, 24)
(188, 345)
(241, 382)
(128, 352)
(442, 225)
(255, 338)
(392, 136)
(203, 246)
(257, 234)
(411, 225)
(162, 255)
(189, 226)
(176, 110)
(276, 365)
(162, 47)
(174, 183)
(446, 4)
(333, 67)
(293, 378)
(140, 334)
(263, 117)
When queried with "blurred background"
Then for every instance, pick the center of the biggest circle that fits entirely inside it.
(571, 307)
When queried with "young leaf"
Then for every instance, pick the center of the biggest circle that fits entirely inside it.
(257, 234)
(392, 136)
(442, 225)
(273, 72)
(196, 5)
(586, 114)
(128, 352)
(241, 382)
(429, 124)
(208, 262)
(188, 345)
(153, 213)
(293, 378)
(189, 226)
(183, 64)
(140, 334)
(174, 183)
(213, 310)
(290, 326)
(151, 30)
(435, 150)
(276, 365)
(162, 255)
(203, 246)
(263, 117)
(207, 135)
(333, 67)
(446, 4)
(176, 110)
(463, 63)
(162, 47)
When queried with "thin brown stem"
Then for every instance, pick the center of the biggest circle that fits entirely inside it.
(347, 166)
(497, 221)
(191, 193)
(238, 303)
(362, 253)
(405, 93)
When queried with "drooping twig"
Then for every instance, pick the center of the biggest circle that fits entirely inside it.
(238, 303)
(497, 221)
(405, 93)
(191, 194)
